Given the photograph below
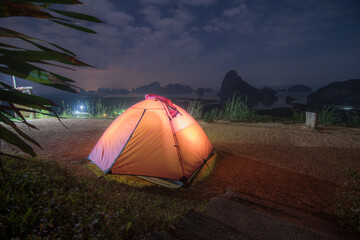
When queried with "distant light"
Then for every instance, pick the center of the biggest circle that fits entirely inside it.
(347, 108)
(81, 107)
(76, 112)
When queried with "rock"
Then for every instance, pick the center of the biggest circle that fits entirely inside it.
(177, 89)
(299, 88)
(345, 93)
(234, 84)
(153, 87)
(289, 99)
(268, 96)
(201, 91)
(170, 89)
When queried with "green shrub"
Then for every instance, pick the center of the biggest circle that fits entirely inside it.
(347, 209)
(299, 116)
(195, 109)
(213, 114)
(237, 110)
(328, 116)
(92, 109)
(354, 121)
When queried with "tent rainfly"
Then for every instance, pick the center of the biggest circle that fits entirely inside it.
(153, 138)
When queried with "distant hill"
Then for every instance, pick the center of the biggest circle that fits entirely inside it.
(299, 88)
(154, 87)
(345, 93)
(170, 89)
(234, 84)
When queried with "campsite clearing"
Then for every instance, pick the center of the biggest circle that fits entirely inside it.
(287, 164)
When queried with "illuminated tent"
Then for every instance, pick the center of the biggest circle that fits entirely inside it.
(153, 138)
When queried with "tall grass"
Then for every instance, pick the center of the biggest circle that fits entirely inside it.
(299, 116)
(91, 109)
(328, 116)
(354, 120)
(195, 109)
(236, 109)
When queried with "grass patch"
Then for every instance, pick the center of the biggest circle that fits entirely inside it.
(347, 209)
(139, 183)
(122, 179)
(235, 109)
(299, 116)
(354, 120)
(204, 171)
(328, 116)
(195, 109)
(91, 109)
(45, 200)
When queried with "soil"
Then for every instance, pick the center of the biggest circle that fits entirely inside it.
(287, 164)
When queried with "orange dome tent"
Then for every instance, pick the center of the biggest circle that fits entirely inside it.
(153, 138)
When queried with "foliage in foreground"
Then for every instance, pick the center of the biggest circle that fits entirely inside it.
(43, 199)
(23, 62)
(347, 209)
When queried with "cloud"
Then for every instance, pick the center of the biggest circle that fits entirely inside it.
(173, 25)
(156, 2)
(198, 2)
(231, 12)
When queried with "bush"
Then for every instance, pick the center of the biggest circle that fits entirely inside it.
(328, 116)
(92, 109)
(237, 110)
(354, 120)
(195, 109)
(299, 116)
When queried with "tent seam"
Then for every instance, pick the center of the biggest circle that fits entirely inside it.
(107, 170)
(175, 141)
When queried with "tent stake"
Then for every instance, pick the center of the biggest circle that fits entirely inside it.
(102, 175)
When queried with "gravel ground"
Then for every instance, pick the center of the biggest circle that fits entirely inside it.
(324, 153)
(287, 164)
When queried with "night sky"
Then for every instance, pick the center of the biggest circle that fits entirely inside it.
(269, 43)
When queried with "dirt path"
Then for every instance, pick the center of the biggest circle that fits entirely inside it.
(288, 164)
(324, 153)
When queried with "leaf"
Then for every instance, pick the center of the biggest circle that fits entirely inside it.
(20, 98)
(11, 138)
(74, 27)
(30, 72)
(12, 9)
(77, 15)
(34, 56)
(21, 133)
(43, 47)
(4, 32)
(62, 49)
(51, 1)
(8, 46)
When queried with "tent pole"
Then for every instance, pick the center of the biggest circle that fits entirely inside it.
(14, 81)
